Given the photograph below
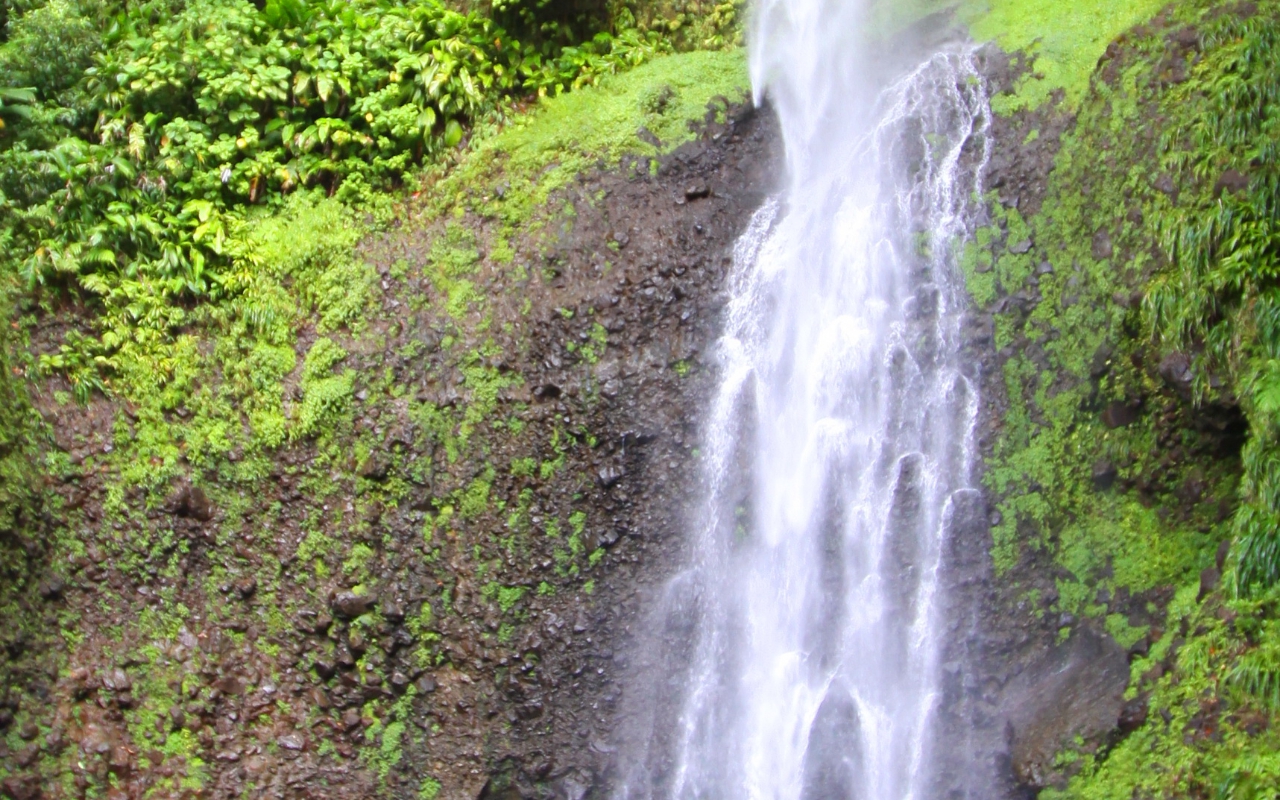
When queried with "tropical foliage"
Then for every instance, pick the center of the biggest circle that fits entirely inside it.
(136, 138)
(1222, 299)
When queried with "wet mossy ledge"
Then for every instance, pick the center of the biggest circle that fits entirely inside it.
(366, 508)
(1122, 288)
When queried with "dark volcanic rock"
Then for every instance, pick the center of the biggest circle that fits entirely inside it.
(351, 605)
(1133, 715)
(116, 680)
(1102, 247)
(1176, 371)
(1210, 577)
(1119, 414)
(26, 787)
(609, 475)
(190, 501)
(246, 587)
(52, 588)
(1232, 182)
(1077, 689)
(1104, 475)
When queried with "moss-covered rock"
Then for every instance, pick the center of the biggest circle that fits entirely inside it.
(1115, 478)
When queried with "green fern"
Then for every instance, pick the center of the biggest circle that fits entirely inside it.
(1256, 674)
(1251, 776)
(1221, 299)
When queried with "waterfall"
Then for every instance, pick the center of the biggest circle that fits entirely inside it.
(795, 657)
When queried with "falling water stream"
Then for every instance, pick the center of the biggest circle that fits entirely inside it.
(807, 622)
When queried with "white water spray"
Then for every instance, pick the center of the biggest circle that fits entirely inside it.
(840, 435)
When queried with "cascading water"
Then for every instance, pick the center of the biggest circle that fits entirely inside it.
(796, 656)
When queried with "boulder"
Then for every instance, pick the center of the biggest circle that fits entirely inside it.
(1119, 414)
(1104, 475)
(1175, 369)
(351, 605)
(1102, 247)
(1074, 689)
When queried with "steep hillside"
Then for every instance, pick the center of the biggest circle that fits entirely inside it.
(365, 526)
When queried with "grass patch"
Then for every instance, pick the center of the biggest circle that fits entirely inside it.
(513, 173)
(1063, 39)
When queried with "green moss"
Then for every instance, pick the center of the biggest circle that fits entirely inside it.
(975, 264)
(485, 383)
(1126, 635)
(429, 789)
(592, 350)
(386, 737)
(536, 155)
(389, 749)
(505, 596)
(452, 260)
(1062, 40)
(360, 556)
(603, 122)
(325, 396)
(1210, 729)
(475, 500)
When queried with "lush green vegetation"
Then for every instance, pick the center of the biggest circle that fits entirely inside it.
(1219, 300)
(535, 156)
(1182, 215)
(1222, 300)
(1061, 42)
(140, 141)
(188, 196)
(191, 175)
(1069, 331)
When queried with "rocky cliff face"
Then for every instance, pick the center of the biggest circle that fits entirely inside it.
(401, 615)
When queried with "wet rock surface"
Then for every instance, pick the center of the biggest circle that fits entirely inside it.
(1074, 690)
(273, 676)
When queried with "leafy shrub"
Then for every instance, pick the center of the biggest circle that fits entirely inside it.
(130, 181)
(49, 48)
